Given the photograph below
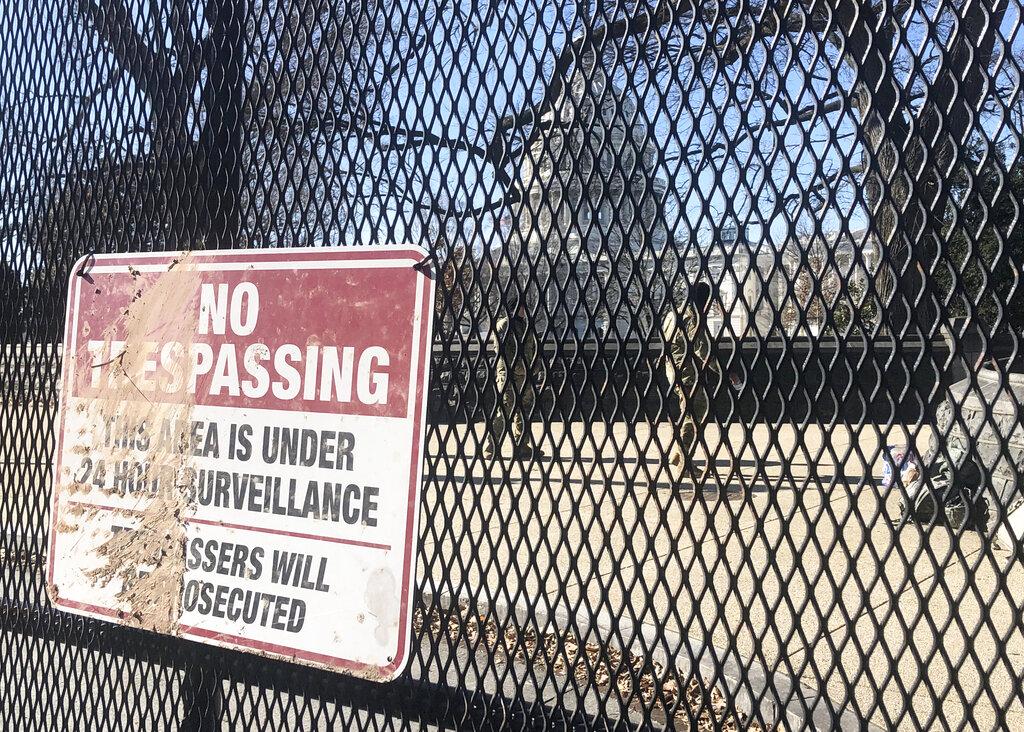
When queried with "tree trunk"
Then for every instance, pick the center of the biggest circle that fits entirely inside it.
(912, 156)
(198, 175)
(220, 141)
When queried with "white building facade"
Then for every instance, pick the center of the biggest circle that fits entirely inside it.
(589, 236)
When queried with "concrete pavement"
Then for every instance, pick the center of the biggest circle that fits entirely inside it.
(788, 557)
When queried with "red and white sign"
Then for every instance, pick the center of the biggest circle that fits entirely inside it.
(240, 448)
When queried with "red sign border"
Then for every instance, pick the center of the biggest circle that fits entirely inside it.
(411, 253)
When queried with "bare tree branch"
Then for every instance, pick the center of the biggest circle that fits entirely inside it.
(499, 151)
(114, 25)
(180, 25)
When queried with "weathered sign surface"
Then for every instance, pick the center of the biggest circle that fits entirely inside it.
(240, 446)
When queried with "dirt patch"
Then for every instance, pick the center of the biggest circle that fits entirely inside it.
(639, 682)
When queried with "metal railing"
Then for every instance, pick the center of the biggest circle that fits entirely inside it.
(846, 177)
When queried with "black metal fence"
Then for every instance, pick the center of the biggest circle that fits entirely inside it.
(848, 178)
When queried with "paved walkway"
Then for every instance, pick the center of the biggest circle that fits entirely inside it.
(787, 557)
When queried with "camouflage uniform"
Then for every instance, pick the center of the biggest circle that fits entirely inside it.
(688, 355)
(516, 347)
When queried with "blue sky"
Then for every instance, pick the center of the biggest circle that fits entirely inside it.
(473, 83)
(468, 74)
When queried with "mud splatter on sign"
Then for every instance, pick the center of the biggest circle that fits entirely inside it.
(144, 563)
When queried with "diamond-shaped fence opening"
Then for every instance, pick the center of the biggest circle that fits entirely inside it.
(724, 416)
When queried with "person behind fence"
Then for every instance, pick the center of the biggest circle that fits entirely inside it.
(515, 370)
(687, 363)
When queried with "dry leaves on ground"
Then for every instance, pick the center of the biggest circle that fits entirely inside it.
(639, 683)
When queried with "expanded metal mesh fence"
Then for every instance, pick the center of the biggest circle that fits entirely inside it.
(725, 425)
